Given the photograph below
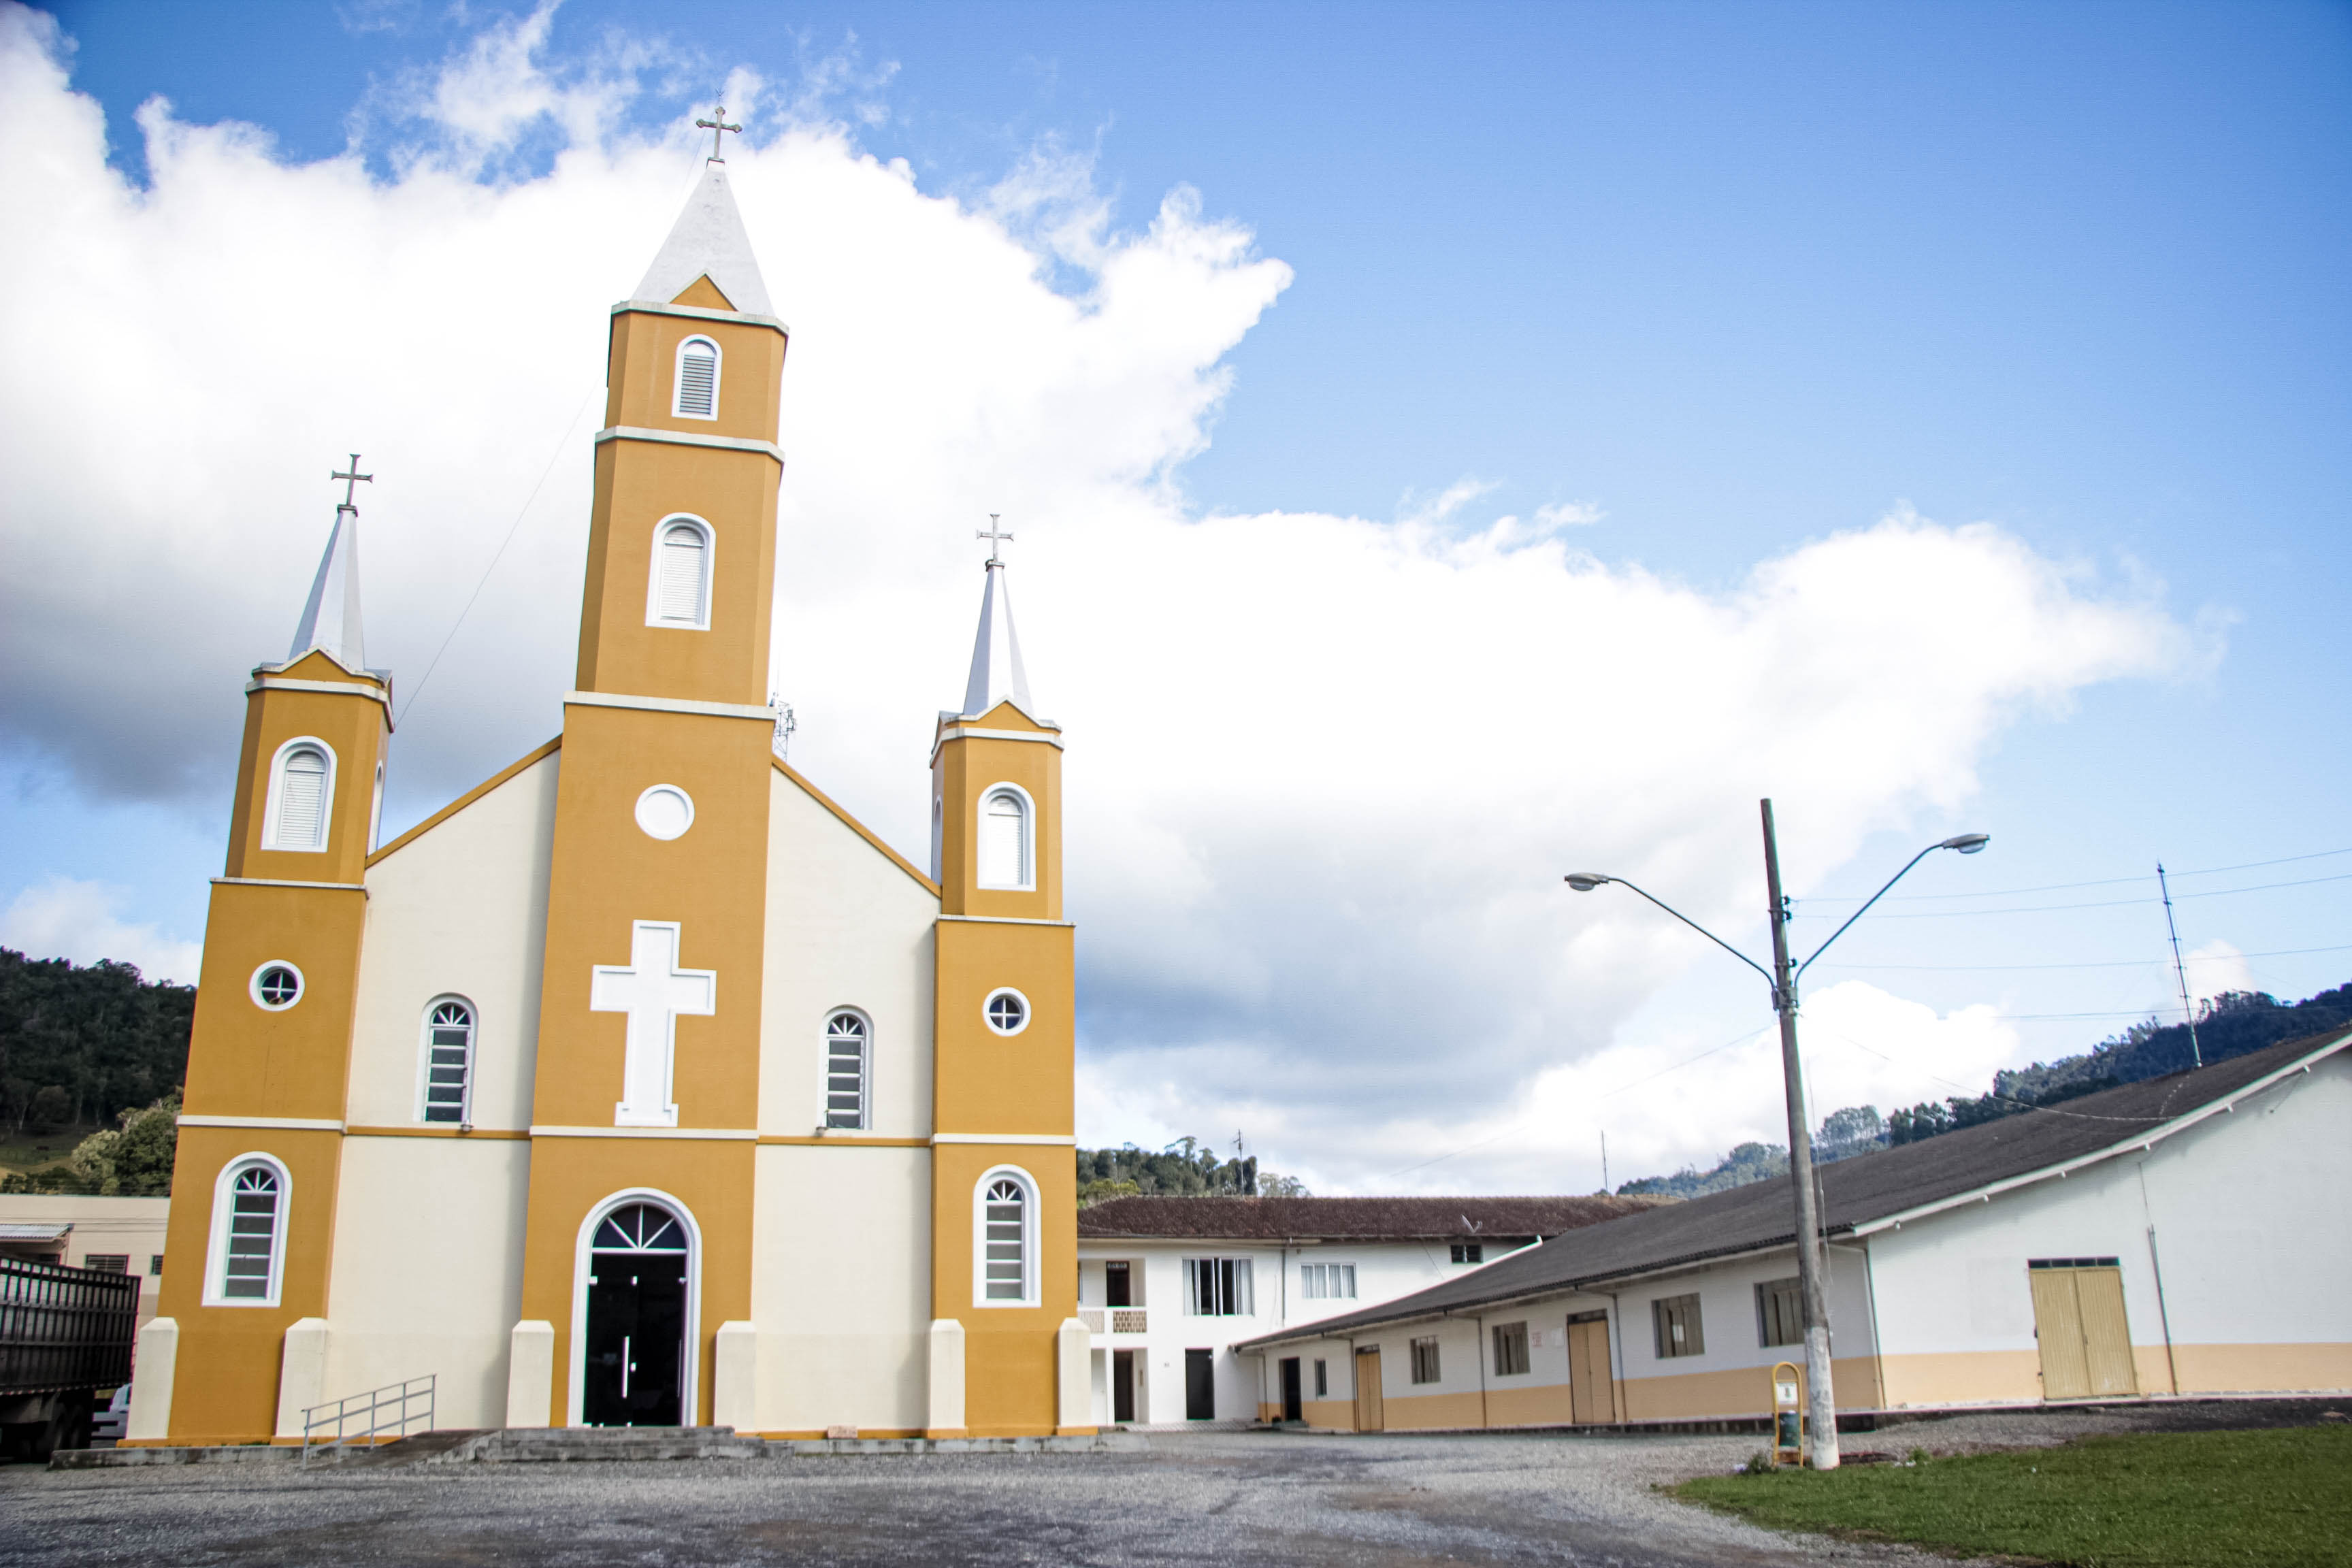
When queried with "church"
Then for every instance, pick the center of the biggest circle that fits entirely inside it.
(641, 1085)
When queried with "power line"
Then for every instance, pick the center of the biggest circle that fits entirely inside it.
(2098, 904)
(2069, 887)
(2100, 963)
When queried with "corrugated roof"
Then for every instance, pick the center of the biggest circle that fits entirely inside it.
(1347, 1219)
(1856, 1193)
(21, 1230)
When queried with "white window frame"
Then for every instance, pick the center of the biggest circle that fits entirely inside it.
(223, 1208)
(1028, 869)
(269, 839)
(1030, 1264)
(654, 616)
(865, 1121)
(677, 377)
(1321, 1281)
(253, 985)
(424, 1058)
(689, 1408)
(1244, 1286)
(1028, 1013)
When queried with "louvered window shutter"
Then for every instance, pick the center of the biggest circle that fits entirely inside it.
(697, 381)
(682, 558)
(302, 801)
(1001, 834)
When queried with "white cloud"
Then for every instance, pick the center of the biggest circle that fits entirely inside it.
(1324, 772)
(2213, 968)
(62, 918)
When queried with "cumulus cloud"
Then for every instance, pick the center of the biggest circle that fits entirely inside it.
(63, 917)
(1324, 771)
(2214, 968)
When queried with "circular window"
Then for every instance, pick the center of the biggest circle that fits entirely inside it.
(664, 811)
(276, 986)
(1006, 1010)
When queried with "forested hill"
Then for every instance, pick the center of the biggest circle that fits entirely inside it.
(78, 1046)
(2229, 1026)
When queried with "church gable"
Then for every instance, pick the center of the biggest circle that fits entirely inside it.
(704, 293)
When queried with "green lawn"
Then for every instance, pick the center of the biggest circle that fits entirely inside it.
(2171, 1500)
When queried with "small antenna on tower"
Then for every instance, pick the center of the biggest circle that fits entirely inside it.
(785, 725)
(2196, 1052)
(1604, 1163)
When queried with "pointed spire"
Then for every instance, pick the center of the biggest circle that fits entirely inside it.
(708, 241)
(330, 620)
(996, 672)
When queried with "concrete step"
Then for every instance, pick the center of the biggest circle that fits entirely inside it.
(566, 1445)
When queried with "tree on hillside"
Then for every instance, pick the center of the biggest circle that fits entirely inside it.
(1186, 1168)
(79, 1045)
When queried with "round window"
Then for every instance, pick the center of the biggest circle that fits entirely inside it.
(1006, 1010)
(276, 986)
(664, 811)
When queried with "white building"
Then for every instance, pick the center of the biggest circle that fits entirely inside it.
(2177, 1236)
(122, 1235)
(1167, 1285)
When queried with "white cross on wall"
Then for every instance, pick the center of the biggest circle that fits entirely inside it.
(654, 992)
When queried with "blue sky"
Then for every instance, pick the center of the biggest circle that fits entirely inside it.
(1739, 278)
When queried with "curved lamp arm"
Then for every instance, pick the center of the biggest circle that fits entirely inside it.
(1966, 843)
(1585, 881)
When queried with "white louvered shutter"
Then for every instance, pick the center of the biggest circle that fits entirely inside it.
(697, 381)
(683, 556)
(1003, 826)
(302, 801)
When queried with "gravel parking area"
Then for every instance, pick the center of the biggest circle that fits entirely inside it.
(1222, 1499)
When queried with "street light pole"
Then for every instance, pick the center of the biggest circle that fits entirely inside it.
(1820, 1396)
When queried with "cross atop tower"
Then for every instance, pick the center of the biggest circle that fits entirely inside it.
(352, 481)
(994, 536)
(718, 129)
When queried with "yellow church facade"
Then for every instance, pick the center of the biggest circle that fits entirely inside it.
(641, 1085)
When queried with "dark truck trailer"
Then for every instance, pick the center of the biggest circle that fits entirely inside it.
(64, 1337)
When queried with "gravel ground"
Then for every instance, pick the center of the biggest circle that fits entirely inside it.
(1222, 1498)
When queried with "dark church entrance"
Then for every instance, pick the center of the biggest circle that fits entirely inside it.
(635, 1362)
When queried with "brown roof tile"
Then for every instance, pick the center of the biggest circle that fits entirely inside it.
(1347, 1219)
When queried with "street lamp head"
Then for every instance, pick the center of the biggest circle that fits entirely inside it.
(1585, 881)
(1967, 842)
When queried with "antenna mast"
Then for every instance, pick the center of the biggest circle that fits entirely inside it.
(2196, 1052)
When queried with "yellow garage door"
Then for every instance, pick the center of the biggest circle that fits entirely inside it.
(2079, 1325)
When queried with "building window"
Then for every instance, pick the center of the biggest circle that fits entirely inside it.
(844, 1069)
(697, 380)
(1006, 1010)
(249, 1222)
(681, 594)
(1218, 1288)
(1006, 1226)
(1322, 1380)
(1677, 1322)
(1005, 840)
(1119, 1283)
(449, 1061)
(1424, 1360)
(1510, 1350)
(155, 1264)
(1469, 1252)
(302, 784)
(108, 1262)
(1325, 1282)
(1780, 1313)
(275, 987)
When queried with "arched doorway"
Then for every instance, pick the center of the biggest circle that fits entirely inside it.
(634, 1367)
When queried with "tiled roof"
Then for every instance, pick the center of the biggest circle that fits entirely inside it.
(1856, 1193)
(1347, 1219)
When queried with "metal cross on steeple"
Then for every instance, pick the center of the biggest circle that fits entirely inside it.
(992, 534)
(718, 129)
(352, 481)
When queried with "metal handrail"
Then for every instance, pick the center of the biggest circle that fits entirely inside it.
(376, 1412)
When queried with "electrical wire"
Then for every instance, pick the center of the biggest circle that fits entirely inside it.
(2102, 963)
(2099, 904)
(2069, 887)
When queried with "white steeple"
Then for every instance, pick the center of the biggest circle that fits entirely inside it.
(707, 238)
(330, 620)
(996, 671)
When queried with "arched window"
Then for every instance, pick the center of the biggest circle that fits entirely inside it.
(680, 591)
(248, 1227)
(449, 1061)
(697, 380)
(846, 1058)
(1004, 1226)
(301, 786)
(1005, 841)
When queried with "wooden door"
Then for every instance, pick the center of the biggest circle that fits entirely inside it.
(1592, 1392)
(2079, 1328)
(1368, 1391)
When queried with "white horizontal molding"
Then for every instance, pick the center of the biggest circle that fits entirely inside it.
(1053, 1138)
(347, 688)
(690, 438)
(747, 1134)
(283, 1123)
(670, 705)
(702, 314)
(1005, 920)
(280, 882)
(973, 732)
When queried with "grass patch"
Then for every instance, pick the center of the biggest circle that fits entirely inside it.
(2167, 1500)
